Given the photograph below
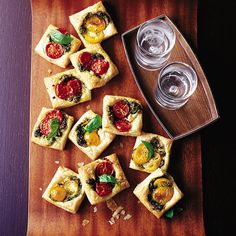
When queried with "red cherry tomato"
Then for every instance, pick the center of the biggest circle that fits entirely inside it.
(63, 30)
(45, 128)
(86, 59)
(100, 66)
(123, 125)
(54, 50)
(69, 89)
(103, 189)
(104, 167)
(120, 109)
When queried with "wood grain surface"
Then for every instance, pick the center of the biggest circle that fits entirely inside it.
(185, 166)
(199, 111)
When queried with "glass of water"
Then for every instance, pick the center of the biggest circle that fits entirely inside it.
(154, 41)
(176, 83)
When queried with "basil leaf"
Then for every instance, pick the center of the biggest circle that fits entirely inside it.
(172, 212)
(94, 124)
(54, 125)
(149, 148)
(107, 179)
(60, 38)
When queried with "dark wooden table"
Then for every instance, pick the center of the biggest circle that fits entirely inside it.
(215, 38)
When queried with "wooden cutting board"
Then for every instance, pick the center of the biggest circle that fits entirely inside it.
(185, 163)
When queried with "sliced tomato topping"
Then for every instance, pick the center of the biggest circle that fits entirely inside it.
(120, 109)
(69, 89)
(103, 189)
(63, 30)
(45, 128)
(104, 167)
(86, 59)
(100, 66)
(123, 125)
(54, 50)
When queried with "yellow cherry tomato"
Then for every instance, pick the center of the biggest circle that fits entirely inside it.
(140, 155)
(92, 37)
(71, 187)
(58, 193)
(163, 194)
(154, 163)
(162, 182)
(95, 24)
(92, 139)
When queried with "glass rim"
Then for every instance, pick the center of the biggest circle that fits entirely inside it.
(156, 54)
(194, 76)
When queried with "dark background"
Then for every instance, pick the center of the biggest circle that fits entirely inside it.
(216, 52)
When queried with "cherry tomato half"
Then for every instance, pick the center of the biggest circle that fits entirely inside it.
(54, 50)
(86, 59)
(45, 128)
(123, 125)
(100, 66)
(103, 189)
(104, 167)
(69, 89)
(120, 109)
(63, 30)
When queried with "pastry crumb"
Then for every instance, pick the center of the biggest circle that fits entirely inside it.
(111, 204)
(121, 145)
(85, 222)
(122, 212)
(138, 202)
(57, 162)
(49, 71)
(110, 222)
(40, 189)
(88, 107)
(95, 209)
(127, 217)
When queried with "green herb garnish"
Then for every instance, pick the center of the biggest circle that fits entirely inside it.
(172, 212)
(107, 179)
(149, 148)
(54, 125)
(60, 38)
(94, 124)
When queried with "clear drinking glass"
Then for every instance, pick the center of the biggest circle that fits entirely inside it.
(154, 41)
(176, 83)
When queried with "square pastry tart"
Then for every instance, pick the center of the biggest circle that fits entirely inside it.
(66, 89)
(151, 151)
(88, 136)
(93, 24)
(122, 115)
(65, 190)
(56, 45)
(158, 192)
(103, 179)
(94, 66)
(52, 128)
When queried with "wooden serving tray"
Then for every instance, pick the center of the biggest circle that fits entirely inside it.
(185, 164)
(199, 111)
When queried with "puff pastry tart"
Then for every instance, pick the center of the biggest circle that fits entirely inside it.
(65, 190)
(122, 115)
(93, 24)
(52, 128)
(56, 45)
(103, 179)
(88, 136)
(158, 192)
(150, 152)
(94, 66)
(66, 89)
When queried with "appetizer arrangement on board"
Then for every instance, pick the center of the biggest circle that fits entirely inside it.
(101, 179)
